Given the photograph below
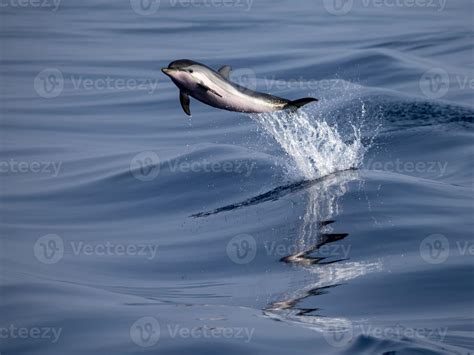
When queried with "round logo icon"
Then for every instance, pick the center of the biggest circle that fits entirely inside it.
(49, 249)
(339, 336)
(434, 249)
(242, 249)
(434, 83)
(145, 332)
(145, 7)
(49, 83)
(145, 166)
(245, 77)
(338, 7)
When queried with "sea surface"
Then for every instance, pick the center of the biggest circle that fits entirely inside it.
(128, 227)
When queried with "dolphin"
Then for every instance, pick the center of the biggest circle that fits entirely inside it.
(215, 89)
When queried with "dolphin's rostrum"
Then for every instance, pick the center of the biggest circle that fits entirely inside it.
(215, 89)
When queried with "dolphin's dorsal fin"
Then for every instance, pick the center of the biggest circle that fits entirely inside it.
(225, 71)
(184, 99)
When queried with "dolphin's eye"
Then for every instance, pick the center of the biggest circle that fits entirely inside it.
(190, 71)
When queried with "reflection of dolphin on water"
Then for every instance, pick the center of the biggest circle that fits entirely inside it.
(314, 234)
(326, 271)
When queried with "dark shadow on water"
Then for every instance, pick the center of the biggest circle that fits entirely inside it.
(274, 194)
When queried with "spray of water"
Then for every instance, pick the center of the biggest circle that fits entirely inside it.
(316, 148)
(323, 139)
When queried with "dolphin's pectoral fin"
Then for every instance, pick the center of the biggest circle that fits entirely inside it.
(225, 71)
(184, 99)
(207, 88)
(293, 106)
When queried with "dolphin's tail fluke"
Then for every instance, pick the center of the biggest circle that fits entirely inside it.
(296, 104)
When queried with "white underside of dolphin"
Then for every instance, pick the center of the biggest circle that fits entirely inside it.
(215, 89)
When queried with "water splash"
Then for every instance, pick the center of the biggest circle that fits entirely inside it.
(316, 148)
(319, 139)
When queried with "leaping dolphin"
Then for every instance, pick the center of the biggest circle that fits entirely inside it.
(215, 89)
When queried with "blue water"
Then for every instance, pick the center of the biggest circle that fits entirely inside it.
(127, 227)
